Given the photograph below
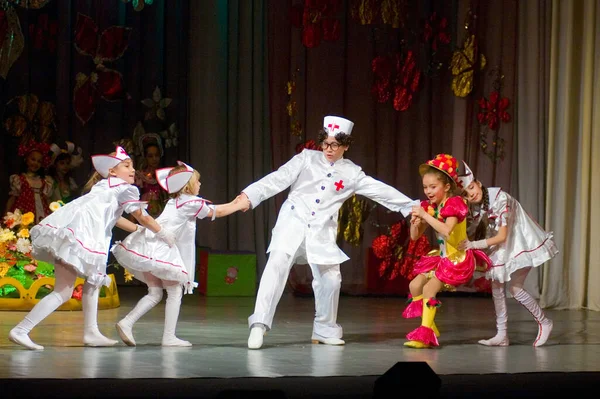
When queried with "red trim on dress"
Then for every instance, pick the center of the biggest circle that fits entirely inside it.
(80, 243)
(156, 260)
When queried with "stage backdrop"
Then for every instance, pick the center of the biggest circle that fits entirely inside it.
(235, 87)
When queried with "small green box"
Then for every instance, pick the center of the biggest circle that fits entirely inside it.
(226, 273)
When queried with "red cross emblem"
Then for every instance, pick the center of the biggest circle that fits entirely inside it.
(121, 152)
(339, 185)
(332, 127)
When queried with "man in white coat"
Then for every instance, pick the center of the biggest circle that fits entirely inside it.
(306, 228)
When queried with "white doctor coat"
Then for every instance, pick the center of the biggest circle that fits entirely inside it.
(310, 213)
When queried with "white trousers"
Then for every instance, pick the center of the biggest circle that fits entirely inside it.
(327, 281)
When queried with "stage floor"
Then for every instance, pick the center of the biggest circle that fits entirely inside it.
(373, 329)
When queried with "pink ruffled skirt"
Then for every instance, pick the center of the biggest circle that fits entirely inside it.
(454, 273)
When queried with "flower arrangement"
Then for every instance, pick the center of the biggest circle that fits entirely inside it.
(15, 254)
(16, 260)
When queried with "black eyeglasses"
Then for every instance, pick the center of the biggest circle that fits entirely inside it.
(334, 146)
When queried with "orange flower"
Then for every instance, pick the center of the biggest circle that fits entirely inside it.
(27, 219)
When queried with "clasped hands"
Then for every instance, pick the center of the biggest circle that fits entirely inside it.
(244, 200)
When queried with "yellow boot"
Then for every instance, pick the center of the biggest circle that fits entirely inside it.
(424, 336)
(435, 329)
(415, 309)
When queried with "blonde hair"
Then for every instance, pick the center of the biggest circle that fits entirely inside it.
(188, 187)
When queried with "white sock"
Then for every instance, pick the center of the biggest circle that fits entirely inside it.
(20, 333)
(544, 324)
(125, 326)
(172, 307)
(89, 302)
(501, 337)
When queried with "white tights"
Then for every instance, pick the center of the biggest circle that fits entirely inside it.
(526, 300)
(65, 276)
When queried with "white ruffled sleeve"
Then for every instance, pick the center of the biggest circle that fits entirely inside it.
(15, 186)
(129, 198)
(198, 209)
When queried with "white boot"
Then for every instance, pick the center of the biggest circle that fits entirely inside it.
(174, 293)
(125, 326)
(257, 332)
(501, 338)
(544, 324)
(91, 334)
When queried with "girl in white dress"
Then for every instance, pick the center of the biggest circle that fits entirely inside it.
(76, 239)
(515, 243)
(163, 267)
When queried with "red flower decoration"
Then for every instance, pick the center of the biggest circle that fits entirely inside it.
(398, 252)
(434, 302)
(382, 69)
(398, 74)
(382, 246)
(102, 82)
(436, 31)
(492, 111)
(318, 21)
(310, 144)
(482, 284)
(77, 292)
(43, 33)
(412, 254)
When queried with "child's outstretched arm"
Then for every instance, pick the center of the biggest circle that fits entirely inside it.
(417, 227)
(240, 203)
(127, 225)
(148, 222)
(444, 228)
(486, 242)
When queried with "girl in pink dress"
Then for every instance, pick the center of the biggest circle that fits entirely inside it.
(449, 267)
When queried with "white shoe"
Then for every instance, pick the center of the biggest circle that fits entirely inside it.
(174, 341)
(126, 333)
(96, 339)
(544, 331)
(255, 340)
(317, 339)
(19, 337)
(495, 341)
